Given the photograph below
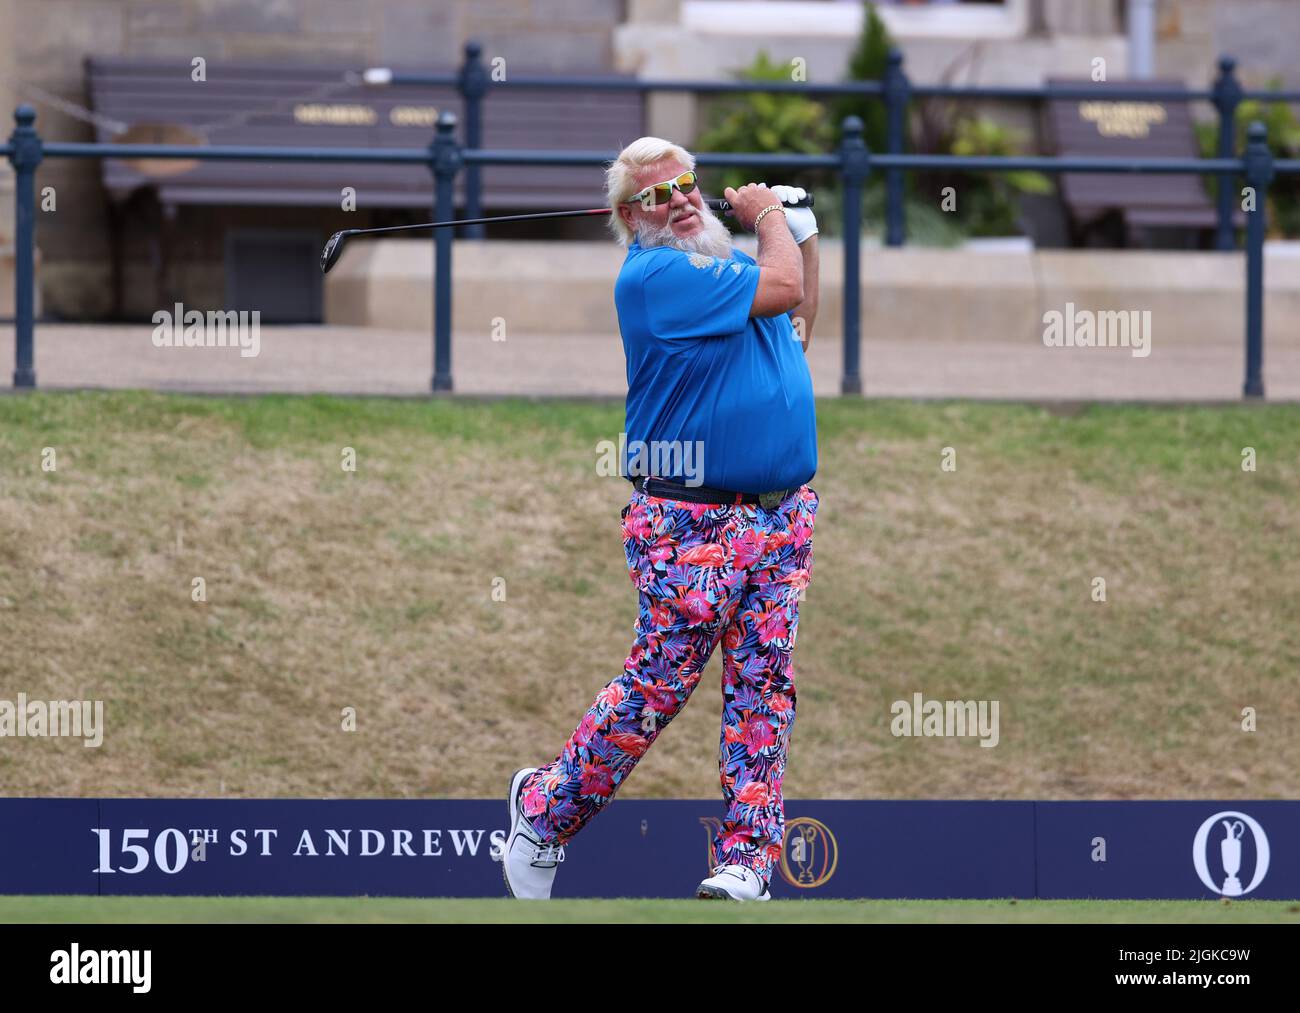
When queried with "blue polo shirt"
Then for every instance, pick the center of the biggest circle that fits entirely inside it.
(705, 378)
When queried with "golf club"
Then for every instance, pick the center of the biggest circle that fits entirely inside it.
(334, 246)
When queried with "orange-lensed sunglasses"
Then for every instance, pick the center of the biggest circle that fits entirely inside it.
(662, 193)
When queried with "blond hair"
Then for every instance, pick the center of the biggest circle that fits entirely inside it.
(620, 177)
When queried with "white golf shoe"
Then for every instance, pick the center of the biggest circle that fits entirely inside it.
(528, 863)
(733, 882)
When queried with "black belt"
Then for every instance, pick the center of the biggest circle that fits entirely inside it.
(666, 489)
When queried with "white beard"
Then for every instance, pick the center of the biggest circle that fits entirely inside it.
(714, 240)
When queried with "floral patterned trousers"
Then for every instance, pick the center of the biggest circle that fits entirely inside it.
(706, 573)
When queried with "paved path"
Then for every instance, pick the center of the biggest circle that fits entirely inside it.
(357, 361)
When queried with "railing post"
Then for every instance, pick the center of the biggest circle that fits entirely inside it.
(473, 85)
(898, 91)
(24, 158)
(1227, 97)
(855, 163)
(445, 160)
(1258, 163)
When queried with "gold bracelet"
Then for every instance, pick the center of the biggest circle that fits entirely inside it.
(770, 207)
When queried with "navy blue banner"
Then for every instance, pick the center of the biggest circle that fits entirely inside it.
(1169, 849)
(647, 848)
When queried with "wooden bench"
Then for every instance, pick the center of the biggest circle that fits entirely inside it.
(1122, 203)
(270, 104)
(287, 105)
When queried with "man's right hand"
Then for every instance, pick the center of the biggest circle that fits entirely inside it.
(748, 201)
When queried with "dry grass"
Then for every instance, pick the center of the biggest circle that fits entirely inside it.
(373, 590)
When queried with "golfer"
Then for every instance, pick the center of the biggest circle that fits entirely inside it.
(720, 551)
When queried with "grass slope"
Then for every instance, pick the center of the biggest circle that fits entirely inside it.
(374, 590)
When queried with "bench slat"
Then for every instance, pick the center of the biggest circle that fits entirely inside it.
(161, 91)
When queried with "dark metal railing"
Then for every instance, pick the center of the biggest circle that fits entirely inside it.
(446, 158)
(474, 82)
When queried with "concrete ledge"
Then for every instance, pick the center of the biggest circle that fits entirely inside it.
(535, 287)
(917, 294)
(350, 360)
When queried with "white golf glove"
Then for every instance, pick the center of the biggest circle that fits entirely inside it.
(802, 221)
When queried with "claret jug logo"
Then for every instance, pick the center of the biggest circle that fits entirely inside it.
(808, 856)
(1221, 849)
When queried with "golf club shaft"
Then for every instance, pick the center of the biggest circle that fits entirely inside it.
(482, 221)
(334, 246)
(714, 204)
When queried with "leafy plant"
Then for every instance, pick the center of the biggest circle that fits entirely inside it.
(1283, 141)
(770, 123)
(867, 63)
(988, 203)
(926, 224)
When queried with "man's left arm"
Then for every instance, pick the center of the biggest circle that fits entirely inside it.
(805, 313)
(803, 226)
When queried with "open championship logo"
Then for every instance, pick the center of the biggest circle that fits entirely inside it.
(1229, 828)
(810, 853)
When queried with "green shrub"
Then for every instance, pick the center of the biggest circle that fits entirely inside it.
(867, 64)
(1283, 140)
(926, 224)
(988, 203)
(768, 123)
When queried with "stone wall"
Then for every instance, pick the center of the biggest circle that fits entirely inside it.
(948, 296)
(1263, 35)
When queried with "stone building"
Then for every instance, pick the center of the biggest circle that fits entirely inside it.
(44, 45)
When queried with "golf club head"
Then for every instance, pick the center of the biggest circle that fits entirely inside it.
(333, 250)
